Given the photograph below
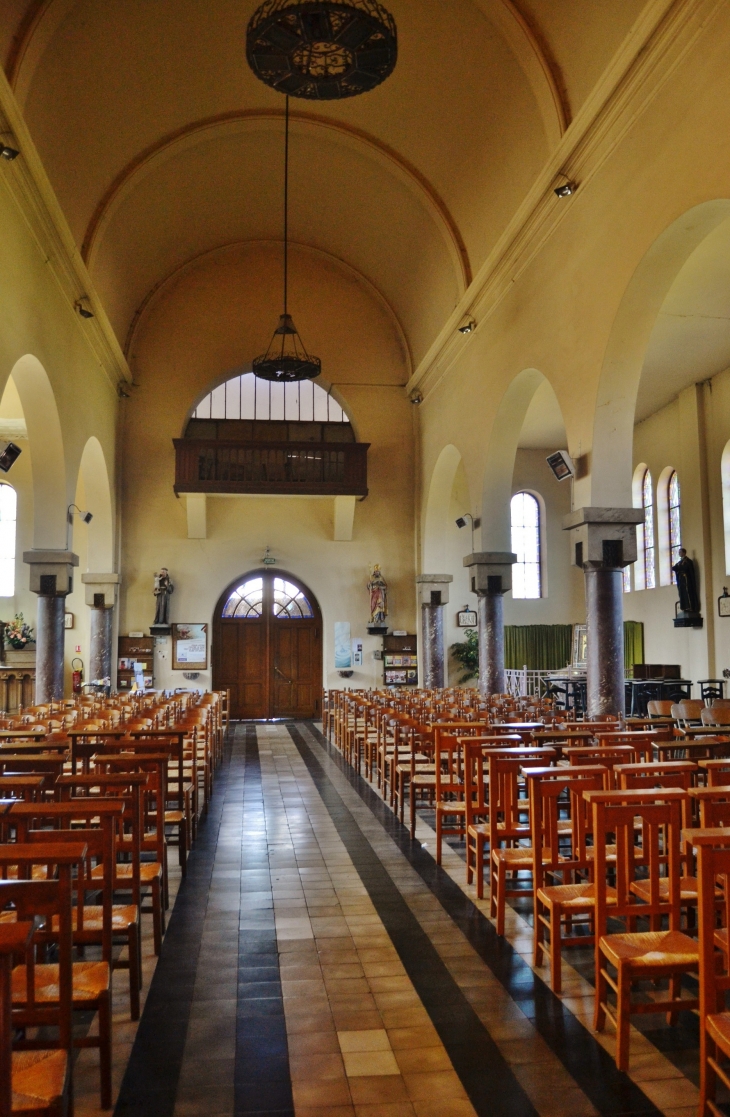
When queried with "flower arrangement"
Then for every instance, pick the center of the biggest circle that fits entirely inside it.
(467, 654)
(17, 632)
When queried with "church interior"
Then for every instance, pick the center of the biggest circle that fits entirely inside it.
(364, 558)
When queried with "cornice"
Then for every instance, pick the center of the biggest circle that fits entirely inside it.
(657, 44)
(30, 189)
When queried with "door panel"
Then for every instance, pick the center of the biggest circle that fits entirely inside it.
(273, 666)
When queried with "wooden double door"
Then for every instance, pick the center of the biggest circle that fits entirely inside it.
(267, 648)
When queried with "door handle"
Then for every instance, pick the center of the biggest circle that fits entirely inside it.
(276, 668)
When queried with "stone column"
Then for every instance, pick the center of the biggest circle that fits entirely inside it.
(433, 594)
(51, 577)
(603, 541)
(100, 596)
(491, 578)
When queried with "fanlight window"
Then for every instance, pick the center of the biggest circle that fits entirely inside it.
(526, 580)
(8, 515)
(247, 601)
(247, 397)
(289, 601)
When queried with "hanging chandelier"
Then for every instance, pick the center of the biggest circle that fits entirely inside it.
(286, 359)
(322, 50)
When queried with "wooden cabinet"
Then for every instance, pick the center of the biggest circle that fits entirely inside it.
(400, 660)
(135, 649)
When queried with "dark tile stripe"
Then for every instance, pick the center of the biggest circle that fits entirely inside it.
(474, 1054)
(611, 1091)
(150, 1082)
(262, 1082)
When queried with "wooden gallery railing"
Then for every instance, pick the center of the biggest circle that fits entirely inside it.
(309, 468)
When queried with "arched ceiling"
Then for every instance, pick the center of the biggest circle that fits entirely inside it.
(162, 146)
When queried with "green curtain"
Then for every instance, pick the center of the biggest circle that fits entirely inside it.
(543, 647)
(548, 647)
(633, 645)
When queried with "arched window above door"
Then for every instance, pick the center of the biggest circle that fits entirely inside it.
(289, 601)
(246, 601)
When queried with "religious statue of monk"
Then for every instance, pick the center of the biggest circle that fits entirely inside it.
(163, 589)
(378, 596)
(684, 572)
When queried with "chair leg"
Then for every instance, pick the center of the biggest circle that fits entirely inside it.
(157, 916)
(623, 1019)
(479, 867)
(556, 957)
(135, 970)
(599, 1013)
(439, 836)
(105, 1049)
(708, 1078)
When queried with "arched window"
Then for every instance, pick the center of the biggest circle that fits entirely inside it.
(8, 517)
(289, 601)
(247, 397)
(675, 522)
(647, 502)
(247, 601)
(526, 574)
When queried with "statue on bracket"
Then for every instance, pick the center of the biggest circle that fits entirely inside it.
(688, 614)
(163, 589)
(378, 588)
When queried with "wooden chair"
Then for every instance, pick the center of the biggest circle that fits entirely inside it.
(717, 771)
(449, 789)
(563, 888)
(508, 826)
(713, 862)
(37, 1078)
(607, 757)
(659, 708)
(639, 955)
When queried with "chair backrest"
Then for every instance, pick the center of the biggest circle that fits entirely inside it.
(669, 773)
(505, 821)
(714, 805)
(659, 708)
(615, 815)
(550, 791)
(475, 778)
(14, 940)
(717, 771)
(716, 715)
(713, 862)
(690, 709)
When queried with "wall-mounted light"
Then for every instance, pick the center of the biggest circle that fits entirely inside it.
(561, 464)
(74, 510)
(7, 152)
(468, 325)
(416, 396)
(566, 189)
(461, 522)
(9, 453)
(83, 308)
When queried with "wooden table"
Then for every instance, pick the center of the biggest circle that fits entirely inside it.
(22, 734)
(517, 726)
(692, 748)
(560, 739)
(23, 748)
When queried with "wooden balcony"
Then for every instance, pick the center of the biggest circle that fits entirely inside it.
(307, 468)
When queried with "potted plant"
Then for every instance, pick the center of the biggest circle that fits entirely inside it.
(467, 654)
(17, 632)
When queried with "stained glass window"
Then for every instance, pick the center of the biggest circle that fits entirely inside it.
(8, 512)
(647, 497)
(675, 526)
(289, 601)
(247, 601)
(526, 579)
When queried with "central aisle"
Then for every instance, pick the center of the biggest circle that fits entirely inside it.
(318, 963)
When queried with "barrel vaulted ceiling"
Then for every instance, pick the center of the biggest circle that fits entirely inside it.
(162, 146)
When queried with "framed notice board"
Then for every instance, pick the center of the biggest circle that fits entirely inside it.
(189, 647)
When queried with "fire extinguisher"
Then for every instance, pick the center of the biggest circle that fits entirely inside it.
(78, 674)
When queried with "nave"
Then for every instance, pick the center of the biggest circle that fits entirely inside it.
(318, 962)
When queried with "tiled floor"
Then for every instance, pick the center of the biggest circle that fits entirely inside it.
(319, 963)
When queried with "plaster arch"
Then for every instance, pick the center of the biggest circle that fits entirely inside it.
(609, 483)
(437, 510)
(97, 490)
(500, 461)
(50, 501)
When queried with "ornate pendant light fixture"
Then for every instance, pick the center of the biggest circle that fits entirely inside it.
(322, 50)
(286, 359)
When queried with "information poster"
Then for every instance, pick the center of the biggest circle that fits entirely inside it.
(189, 647)
(343, 646)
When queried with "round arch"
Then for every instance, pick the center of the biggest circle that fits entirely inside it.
(46, 446)
(437, 509)
(609, 484)
(271, 664)
(97, 494)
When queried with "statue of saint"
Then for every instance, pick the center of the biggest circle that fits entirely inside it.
(378, 596)
(684, 572)
(163, 589)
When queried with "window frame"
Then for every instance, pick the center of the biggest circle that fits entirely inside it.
(11, 559)
(540, 539)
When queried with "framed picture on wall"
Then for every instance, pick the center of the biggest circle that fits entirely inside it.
(189, 647)
(467, 618)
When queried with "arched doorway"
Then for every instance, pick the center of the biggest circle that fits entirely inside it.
(267, 647)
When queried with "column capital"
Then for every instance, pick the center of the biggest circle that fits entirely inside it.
(491, 571)
(430, 584)
(603, 538)
(51, 572)
(100, 589)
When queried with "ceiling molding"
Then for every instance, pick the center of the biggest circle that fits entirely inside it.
(196, 129)
(35, 30)
(661, 38)
(182, 270)
(27, 183)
